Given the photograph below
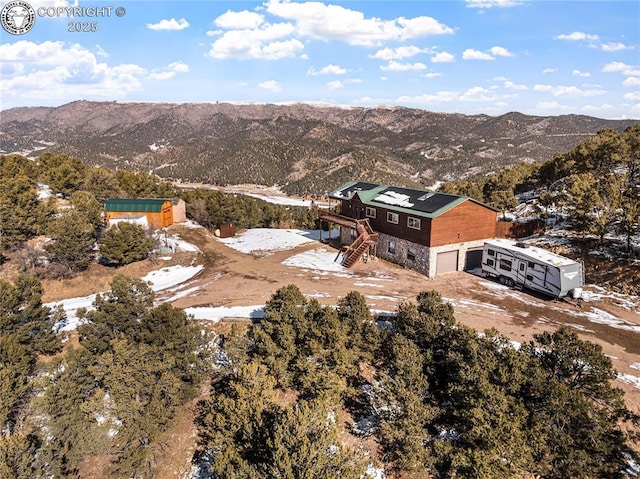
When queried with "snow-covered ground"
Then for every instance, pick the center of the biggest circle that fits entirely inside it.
(265, 241)
(217, 313)
(159, 280)
(320, 261)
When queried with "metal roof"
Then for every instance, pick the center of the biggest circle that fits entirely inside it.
(428, 204)
(142, 205)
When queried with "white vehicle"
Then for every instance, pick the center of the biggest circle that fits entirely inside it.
(524, 266)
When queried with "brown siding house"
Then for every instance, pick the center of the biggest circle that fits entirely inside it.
(429, 232)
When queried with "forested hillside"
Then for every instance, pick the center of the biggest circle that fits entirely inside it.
(75, 203)
(304, 149)
(295, 395)
(440, 399)
(596, 185)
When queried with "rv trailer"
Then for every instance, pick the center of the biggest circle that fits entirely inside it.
(521, 265)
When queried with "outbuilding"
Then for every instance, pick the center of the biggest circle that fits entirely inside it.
(158, 211)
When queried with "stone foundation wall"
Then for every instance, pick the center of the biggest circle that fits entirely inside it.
(418, 260)
(412, 255)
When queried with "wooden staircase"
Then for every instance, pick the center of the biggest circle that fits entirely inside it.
(366, 240)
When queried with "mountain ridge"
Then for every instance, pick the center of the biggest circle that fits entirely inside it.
(302, 148)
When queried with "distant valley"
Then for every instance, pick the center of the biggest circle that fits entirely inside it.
(302, 148)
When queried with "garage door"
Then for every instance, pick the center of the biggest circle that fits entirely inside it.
(473, 259)
(447, 262)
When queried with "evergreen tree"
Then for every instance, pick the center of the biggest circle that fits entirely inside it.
(275, 338)
(125, 243)
(117, 314)
(25, 318)
(101, 183)
(16, 456)
(69, 415)
(19, 210)
(72, 241)
(88, 205)
(62, 173)
(16, 366)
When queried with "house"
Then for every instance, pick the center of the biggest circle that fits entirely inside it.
(158, 211)
(430, 232)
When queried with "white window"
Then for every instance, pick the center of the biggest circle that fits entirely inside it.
(391, 247)
(392, 218)
(370, 212)
(413, 222)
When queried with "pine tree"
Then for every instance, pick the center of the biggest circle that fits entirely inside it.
(117, 314)
(72, 241)
(125, 243)
(62, 173)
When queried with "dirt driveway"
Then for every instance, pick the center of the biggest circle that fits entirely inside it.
(231, 278)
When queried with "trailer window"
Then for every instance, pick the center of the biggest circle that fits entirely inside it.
(490, 262)
(529, 277)
(522, 266)
(531, 264)
(505, 264)
(491, 252)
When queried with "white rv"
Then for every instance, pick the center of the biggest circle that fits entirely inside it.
(525, 266)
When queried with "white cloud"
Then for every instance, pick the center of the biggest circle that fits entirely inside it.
(268, 42)
(617, 67)
(614, 47)
(561, 90)
(549, 70)
(101, 52)
(500, 52)
(477, 93)
(473, 94)
(443, 57)
(576, 36)
(595, 110)
(327, 70)
(398, 53)
(433, 75)
(632, 82)
(427, 98)
(509, 85)
(333, 22)
(335, 85)
(247, 35)
(170, 71)
(492, 3)
(403, 67)
(471, 54)
(172, 24)
(552, 107)
(632, 96)
(243, 20)
(56, 71)
(578, 73)
(270, 85)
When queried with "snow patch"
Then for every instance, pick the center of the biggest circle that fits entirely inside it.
(264, 241)
(158, 280)
(218, 313)
(630, 379)
(319, 260)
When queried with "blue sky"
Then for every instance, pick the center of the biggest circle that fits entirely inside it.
(475, 56)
